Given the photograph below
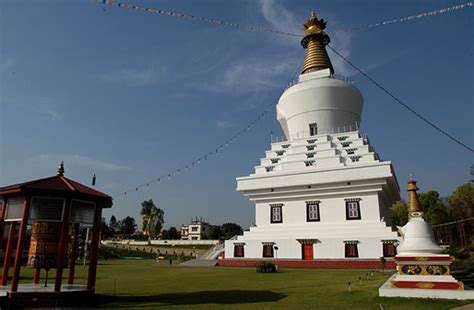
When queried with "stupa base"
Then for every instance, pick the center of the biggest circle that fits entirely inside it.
(388, 290)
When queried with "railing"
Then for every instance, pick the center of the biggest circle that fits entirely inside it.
(334, 76)
(321, 131)
(217, 250)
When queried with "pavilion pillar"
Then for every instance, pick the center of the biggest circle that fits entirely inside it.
(36, 277)
(94, 248)
(72, 259)
(8, 253)
(2, 220)
(19, 244)
(62, 245)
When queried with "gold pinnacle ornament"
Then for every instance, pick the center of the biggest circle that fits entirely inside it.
(415, 207)
(60, 171)
(315, 42)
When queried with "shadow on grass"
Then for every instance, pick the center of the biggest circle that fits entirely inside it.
(228, 297)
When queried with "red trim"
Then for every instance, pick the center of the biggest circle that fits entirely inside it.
(429, 285)
(8, 253)
(343, 263)
(19, 245)
(72, 263)
(62, 245)
(2, 220)
(37, 275)
(94, 249)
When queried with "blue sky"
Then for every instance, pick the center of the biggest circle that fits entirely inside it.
(131, 95)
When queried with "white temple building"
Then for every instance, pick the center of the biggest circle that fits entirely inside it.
(323, 193)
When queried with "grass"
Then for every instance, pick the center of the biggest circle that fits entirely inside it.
(148, 284)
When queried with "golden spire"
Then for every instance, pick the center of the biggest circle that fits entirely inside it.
(315, 42)
(415, 207)
(60, 171)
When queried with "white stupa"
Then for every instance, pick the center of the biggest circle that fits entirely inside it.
(422, 271)
(322, 194)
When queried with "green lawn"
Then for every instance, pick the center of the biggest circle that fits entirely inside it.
(147, 284)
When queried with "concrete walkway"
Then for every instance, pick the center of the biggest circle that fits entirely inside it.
(465, 307)
(200, 263)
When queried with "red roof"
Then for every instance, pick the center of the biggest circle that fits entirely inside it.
(57, 184)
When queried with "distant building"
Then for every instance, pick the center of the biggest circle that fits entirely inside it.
(195, 230)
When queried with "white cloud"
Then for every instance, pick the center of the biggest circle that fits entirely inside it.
(280, 18)
(6, 64)
(341, 41)
(80, 161)
(284, 20)
(54, 115)
(224, 124)
(252, 75)
(143, 76)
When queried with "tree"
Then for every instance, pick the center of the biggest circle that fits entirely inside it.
(105, 231)
(434, 211)
(165, 235)
(213, 233)
(398, 214)
(152, 218)
(461, 205)
(127, 226)
(228, 230)
(174, 234)
(113, 225)
(462, 202)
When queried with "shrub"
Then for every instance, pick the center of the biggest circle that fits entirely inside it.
(382, 262)
(266, 267)
(459, 252)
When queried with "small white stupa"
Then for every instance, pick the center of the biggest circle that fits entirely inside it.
(422, 271)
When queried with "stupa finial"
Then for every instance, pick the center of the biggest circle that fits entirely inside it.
(60, 171)
(315, 42)
(415, 208)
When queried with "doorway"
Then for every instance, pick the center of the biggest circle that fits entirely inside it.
(307, 251)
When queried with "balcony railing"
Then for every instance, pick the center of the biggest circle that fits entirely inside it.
(321, 131)
(334, 76)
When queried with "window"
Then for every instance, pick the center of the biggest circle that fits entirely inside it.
(311, 141)
(194, 238)
(352, 209)
(310, 155)
(312, 211)
(275, 160)
(346, 144)
(350, 151)
(269, 168)
(309, 163)
(313, 129)
(285, 146)
(355, 158)
(194, 228)
(267, 250)
(351, 249)
(389, 249)
(280, 153)
(276, 214)
(310, 147)
(238, 250)
(343, 138)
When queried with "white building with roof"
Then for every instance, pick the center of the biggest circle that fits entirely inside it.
(322, 193)
(195, 230)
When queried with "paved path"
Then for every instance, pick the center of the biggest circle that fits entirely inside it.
(200, 263)
(465, 307)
